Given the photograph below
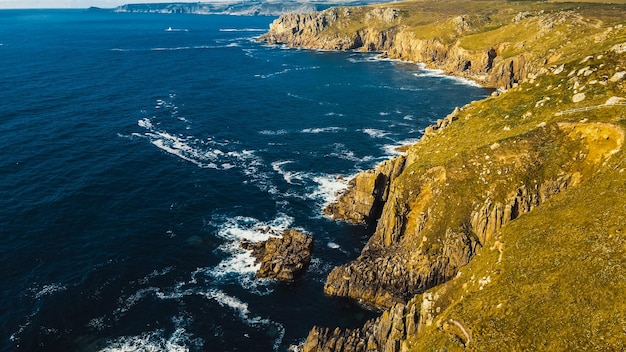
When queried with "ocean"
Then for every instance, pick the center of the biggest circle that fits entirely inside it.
(139, 150)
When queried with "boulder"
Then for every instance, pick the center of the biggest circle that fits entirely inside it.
(283, 257)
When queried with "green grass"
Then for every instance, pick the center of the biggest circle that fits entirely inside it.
(561, 281)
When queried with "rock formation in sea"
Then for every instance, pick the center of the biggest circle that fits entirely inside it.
(282, 257)
(456, 219)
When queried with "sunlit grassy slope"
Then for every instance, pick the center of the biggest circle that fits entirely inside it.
(555, 279)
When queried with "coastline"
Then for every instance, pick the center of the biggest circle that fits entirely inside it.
(413, 266)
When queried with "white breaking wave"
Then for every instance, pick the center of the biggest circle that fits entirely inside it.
(187, 47)
(242, 30)
(363, 58)
(333, 245)
(195, 47)
(204, 153)
(286, 70)
(329, 187)
(157, 341)
(375, 133)
(239, 262)
(273, 133)
(288, 176)
(388, 87)
(441, 74)
(324, 130)
(392, 149)
(128, 302)
(242, 309)
(170, 29)
(50, 289)
(152, 341)
(342, 152)
(231, 302)
(336, 246)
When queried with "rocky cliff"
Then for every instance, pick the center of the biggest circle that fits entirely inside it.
(424, 234)
(502, 191)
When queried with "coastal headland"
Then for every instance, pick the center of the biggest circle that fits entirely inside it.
(504, 227)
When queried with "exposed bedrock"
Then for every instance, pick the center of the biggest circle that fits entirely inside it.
(382, 334)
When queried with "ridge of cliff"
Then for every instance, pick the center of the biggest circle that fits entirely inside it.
(504, 226)
(495, 43)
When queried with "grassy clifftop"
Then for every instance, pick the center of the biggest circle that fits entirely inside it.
(504, 227)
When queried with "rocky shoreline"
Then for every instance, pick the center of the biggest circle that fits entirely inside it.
(446, 201)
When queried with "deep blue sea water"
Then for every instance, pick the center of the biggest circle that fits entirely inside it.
(134, 159)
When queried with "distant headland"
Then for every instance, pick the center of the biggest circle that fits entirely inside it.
(241, 8)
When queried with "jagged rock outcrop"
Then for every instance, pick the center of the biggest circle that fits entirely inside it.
(366, 193)
(283, 257)
(383, 334)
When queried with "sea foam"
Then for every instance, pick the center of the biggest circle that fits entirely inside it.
(293, 178)
(157, 340)
(235, 230)
(375, 133)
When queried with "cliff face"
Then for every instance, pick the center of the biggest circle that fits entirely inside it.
(443, 261)
(434, 220)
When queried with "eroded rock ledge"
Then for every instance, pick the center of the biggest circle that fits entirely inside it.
(383, 334)
(363, 201)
